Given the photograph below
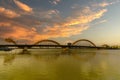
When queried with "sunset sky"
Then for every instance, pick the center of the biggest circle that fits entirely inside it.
(28, 21)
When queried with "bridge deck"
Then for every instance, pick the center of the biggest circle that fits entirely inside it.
(49, 46)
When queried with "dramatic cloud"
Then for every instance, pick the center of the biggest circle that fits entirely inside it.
(72, 25)
(16, 31)
(8, 13)
(76, 25)
(63, 31)
(49, 23)
(85, 18)
(23, 6)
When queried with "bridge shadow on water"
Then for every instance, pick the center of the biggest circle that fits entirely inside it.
(79, 54)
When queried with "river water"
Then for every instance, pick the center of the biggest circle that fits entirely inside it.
(57, 64)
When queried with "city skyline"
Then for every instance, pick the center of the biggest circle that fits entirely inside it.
(28, 21)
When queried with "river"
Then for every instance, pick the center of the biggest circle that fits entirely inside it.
(57, 64)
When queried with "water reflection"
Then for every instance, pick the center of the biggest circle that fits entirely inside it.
(8, 59)
(25, 51)
(78, 65)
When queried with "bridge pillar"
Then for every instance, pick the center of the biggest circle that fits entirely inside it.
(25, 51)
(69, 45)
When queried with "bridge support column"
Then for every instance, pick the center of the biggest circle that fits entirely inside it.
(25, 51)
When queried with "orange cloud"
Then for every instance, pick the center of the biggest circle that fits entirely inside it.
(8, 13)
(58, 31)
(84, 19)
(20, 32)
(73, 25)
(23, 6)
(104, 4)
(50, 25)
(4, 24)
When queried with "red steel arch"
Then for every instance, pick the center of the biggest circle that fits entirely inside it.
(84, 40)
(9, 40)
(47, 41)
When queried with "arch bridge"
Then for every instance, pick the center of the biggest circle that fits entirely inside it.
(52, 44)
(86, 40)
(46, 40)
